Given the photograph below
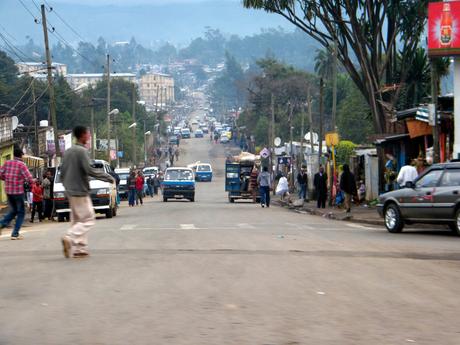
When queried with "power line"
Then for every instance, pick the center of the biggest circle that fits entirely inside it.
(52, 9)
(14, 48)
(23, 95)
(32, 104)
(30, 12)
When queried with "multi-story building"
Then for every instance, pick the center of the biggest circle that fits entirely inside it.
(76, 80)
(39, 69)
(156, 89)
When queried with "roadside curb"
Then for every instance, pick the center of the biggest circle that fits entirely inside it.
(355, 218)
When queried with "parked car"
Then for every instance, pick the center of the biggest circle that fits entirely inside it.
(198, 133)
(178, 183)
(203, 172)
(434, 197)
(103, 194)
(205, 130)
(123, 173)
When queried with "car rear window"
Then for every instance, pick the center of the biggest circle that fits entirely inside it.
(179, 175)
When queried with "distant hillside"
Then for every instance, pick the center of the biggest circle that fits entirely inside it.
(150, 24)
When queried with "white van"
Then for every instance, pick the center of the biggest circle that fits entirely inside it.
(103, 194)
(123, 174)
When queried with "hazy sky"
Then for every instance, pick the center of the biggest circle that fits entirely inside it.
(149, 21)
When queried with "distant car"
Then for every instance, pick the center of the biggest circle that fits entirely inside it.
(198, 133)
(178, 183)
(123, 174)
(205, 130)
(185, 133)
(173, 140)
(224, 139)
(433, 198)
(203, 172)
(150, 171)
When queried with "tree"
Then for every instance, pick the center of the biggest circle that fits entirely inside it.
(370, 35)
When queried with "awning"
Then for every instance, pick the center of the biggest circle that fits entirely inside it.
(34, 162)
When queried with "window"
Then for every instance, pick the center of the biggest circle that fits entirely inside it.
(450, 178)
(204, 168)
(429, 180)
(179, 175)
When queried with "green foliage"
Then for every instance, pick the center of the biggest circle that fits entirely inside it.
(353, 114)
(344, 151)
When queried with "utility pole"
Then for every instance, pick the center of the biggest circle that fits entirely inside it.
(310, 121)
(156, 101)
(93, 148)
(334, 87)
(291, 110)
(134, 127)
(302, 134)
(50, 84)
(321, 114)
(434, 100)
(34, 113)
(109, 159)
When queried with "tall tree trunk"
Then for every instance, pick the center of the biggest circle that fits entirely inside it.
(321, 114)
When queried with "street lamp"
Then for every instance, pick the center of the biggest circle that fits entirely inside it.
(146, 134)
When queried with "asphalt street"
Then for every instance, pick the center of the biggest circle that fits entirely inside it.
(212, 272)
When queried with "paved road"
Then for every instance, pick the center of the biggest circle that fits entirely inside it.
(211, 272)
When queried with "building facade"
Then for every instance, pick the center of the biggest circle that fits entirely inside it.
(156, 90)
(77, 80)
(38, 69)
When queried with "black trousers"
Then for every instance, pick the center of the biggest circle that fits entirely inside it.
(37, 207)
(321, 200)
(48, 211)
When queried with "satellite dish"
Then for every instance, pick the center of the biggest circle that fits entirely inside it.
(14, 122)
(277, 141)
(315, 137)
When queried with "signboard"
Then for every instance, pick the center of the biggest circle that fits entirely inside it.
(6, 129)
(332, 139)
(265, 153)
(101, 144)
(444, 28)
(284, 160)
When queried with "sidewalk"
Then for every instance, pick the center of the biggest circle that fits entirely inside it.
(359, 214)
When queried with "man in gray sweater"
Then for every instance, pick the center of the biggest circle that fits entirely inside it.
(75, 172)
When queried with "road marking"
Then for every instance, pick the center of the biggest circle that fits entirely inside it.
(128, 227)
(246, 226)
(357, 226)
(188, 226)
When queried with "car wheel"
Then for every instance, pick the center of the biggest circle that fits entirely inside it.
(165, 199)
(393, 219)
(115, 209)
(61, 218)
(455, 227)
(192, 199)
(109, 213)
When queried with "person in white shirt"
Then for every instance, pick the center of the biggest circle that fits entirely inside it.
(408, 173)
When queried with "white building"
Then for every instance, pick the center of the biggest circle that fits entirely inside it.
(156, 89)
(75, 80)
(39, 69)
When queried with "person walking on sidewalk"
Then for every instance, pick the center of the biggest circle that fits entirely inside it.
(37, 201)
(47, 184)
(139, 188)
(320, 182)
(348, 186)
(265, 182)
(15, 174)
(302, 179)
(131, 183)
(75, 172)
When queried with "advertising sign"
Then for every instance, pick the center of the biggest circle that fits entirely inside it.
(444, 28)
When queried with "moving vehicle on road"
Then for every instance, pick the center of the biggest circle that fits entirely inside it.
(178, 183)
(224, 139)
(203, 172)
(150, 171)
(123, 173)
(185, 133)
(205, 129)
(433, 198)
(103, 194)
(237, 178)
(199, 133)
(173, 140)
